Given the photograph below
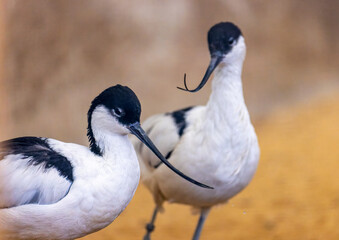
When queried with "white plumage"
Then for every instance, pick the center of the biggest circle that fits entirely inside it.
(215, 144)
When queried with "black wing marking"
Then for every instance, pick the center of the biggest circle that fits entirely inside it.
(179, 118)
(40, 153)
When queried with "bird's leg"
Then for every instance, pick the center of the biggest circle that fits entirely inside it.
(150, 225)
(202, 218)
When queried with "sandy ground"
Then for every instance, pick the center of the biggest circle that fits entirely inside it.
(294, 195)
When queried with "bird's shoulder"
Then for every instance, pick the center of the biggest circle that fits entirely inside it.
(38, 151)
(33, 171)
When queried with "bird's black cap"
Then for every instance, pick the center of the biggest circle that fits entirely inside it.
(120, 100)
(222, 37)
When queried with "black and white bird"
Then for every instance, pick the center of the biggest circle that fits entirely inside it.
(55, 190)
(215, 144)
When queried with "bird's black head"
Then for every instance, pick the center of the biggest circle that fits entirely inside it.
(116, 108)
(222, 38)
(121, 102)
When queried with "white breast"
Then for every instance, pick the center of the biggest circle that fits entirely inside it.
(225, 160)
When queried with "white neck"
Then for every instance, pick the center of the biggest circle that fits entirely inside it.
(226, 105)
(120, 167)
(109, 135)
(113, 146)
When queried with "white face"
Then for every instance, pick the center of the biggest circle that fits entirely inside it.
(103, 121)
(237, 53)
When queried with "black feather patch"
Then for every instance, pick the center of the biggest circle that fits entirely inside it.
(180, 119)
(40, 152)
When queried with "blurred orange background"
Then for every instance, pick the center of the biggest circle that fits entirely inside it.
(56, 56)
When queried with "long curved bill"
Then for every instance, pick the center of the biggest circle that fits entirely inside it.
(215, 60)
(136, 129)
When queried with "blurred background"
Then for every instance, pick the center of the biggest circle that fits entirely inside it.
(56, 56)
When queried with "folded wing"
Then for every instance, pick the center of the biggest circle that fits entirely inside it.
(31, 172)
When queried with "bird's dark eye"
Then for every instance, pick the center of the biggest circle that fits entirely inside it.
(231, 41)
(118, 112)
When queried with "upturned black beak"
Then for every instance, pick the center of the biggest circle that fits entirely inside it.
(215, 60)
(136, 129)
